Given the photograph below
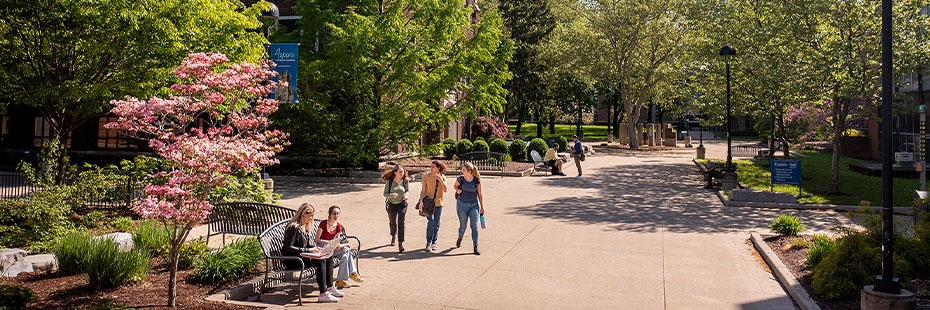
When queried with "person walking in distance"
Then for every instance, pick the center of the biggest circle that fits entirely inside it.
(577, 152)
(470, 203)
(395, 194)
(434, 185)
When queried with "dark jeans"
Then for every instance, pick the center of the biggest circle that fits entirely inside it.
(324, 272)
(396, 214)
(551, 164)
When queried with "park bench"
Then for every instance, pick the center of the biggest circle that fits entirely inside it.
(272, 240)
(484, 160)
(539, 164)
(244, 218)
(713, 171)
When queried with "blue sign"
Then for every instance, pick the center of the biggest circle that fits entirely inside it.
(786, 171)
(284, 55)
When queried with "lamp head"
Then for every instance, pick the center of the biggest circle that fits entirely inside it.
(726, 50)
(272, 12)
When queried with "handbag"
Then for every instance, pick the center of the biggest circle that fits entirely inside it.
(428, 204)
(582, 156)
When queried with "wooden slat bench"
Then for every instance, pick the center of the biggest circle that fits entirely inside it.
(484, 160)
(272, 240)
(244, 218)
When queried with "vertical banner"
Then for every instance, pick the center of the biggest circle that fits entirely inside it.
(284, 55)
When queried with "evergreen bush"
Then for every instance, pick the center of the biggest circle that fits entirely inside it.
(787, 225)
(539, 145)
(464, 146)
(449, 147)
(563, 143)
(480, 146)
(852, 264)
(229, 263)
(498, 146)
(122, 223)
(517, 150)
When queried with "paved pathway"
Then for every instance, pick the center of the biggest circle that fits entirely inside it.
(638, 231)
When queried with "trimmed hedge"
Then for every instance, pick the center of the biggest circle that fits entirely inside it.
(517, 150)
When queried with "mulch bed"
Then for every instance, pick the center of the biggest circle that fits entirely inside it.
(794, 259)
(54, 291)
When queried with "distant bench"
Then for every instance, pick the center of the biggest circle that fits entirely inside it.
(484, 160)
(244, 218)
(713, 171)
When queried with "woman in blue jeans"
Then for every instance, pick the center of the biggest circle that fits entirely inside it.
(470, 202)
(434, 185)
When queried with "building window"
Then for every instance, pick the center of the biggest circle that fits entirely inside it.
(42, 132)
(111, 138)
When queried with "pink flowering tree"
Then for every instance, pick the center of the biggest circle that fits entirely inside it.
(215, 123)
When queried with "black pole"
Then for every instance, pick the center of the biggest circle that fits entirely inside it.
(729, 155)
(886, 283)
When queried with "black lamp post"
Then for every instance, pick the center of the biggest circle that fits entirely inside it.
(886, 282)
(727, 51)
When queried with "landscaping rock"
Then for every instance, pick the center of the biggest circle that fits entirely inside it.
(17, 268)
(10, 256)
(123, 240)
(762, 196)
(43, 261)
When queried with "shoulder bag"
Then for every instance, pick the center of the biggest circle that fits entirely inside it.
(428, 204)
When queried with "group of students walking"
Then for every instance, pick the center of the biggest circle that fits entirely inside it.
(469, 202)
(299, 242)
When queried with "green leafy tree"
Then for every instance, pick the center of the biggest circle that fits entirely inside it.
(379, 74)
(528, 23)
(69, 58)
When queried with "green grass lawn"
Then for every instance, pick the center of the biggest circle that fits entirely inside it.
(591, 132)
(815, 182)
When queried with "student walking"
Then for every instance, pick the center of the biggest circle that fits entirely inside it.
(395, 194)
(470, 203)
(434, 185)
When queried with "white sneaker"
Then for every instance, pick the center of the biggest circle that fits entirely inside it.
(327, 297)
(335, 292)
(428, 248)
(432, 247)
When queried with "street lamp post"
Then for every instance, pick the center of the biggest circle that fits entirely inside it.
(728, 179)
(271, 14)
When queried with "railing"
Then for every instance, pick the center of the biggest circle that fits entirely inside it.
(13, 185)
(749, 151)
(122, 192)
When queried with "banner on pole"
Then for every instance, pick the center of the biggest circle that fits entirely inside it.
(284, 55)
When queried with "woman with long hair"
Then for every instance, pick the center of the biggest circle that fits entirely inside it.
(470, 203)
(297, 240)
(434, 184)
(329, 229)
(395, 194)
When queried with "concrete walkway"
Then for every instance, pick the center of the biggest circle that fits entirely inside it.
(638, 231)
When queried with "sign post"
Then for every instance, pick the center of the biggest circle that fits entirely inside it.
(785, 171)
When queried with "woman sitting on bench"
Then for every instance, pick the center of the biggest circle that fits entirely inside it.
(297, 240)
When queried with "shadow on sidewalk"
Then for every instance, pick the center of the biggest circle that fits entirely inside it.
(653, 197)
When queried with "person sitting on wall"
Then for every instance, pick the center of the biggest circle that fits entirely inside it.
(553, 160)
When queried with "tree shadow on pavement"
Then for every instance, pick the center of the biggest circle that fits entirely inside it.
(290, 190)
(661, 196)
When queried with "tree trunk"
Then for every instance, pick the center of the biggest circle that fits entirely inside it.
(173, 273)
(552, 125)
(62, 158)
(539, 124)
(838, 119)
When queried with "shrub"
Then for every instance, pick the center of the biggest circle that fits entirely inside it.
(107, 267)
(122, 223)
(563, 143)
(539, 145)
(480, 146)
(229, 263)
(15, 297)
(799, 243)
(480, 138)
(852, 263)
(246, 187)
(70, 249)
(94, 219)
(191, 252)
(151, 236)
(820, 247)
(498, 146)
(448, 147)
(787, 225)
(517, 150)
(464, 146)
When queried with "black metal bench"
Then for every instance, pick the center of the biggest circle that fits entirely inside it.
(244, 218)
(484, 160)
(272, 240)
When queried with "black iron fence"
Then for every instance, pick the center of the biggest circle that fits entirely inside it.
(753, 151)
(114, 192)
